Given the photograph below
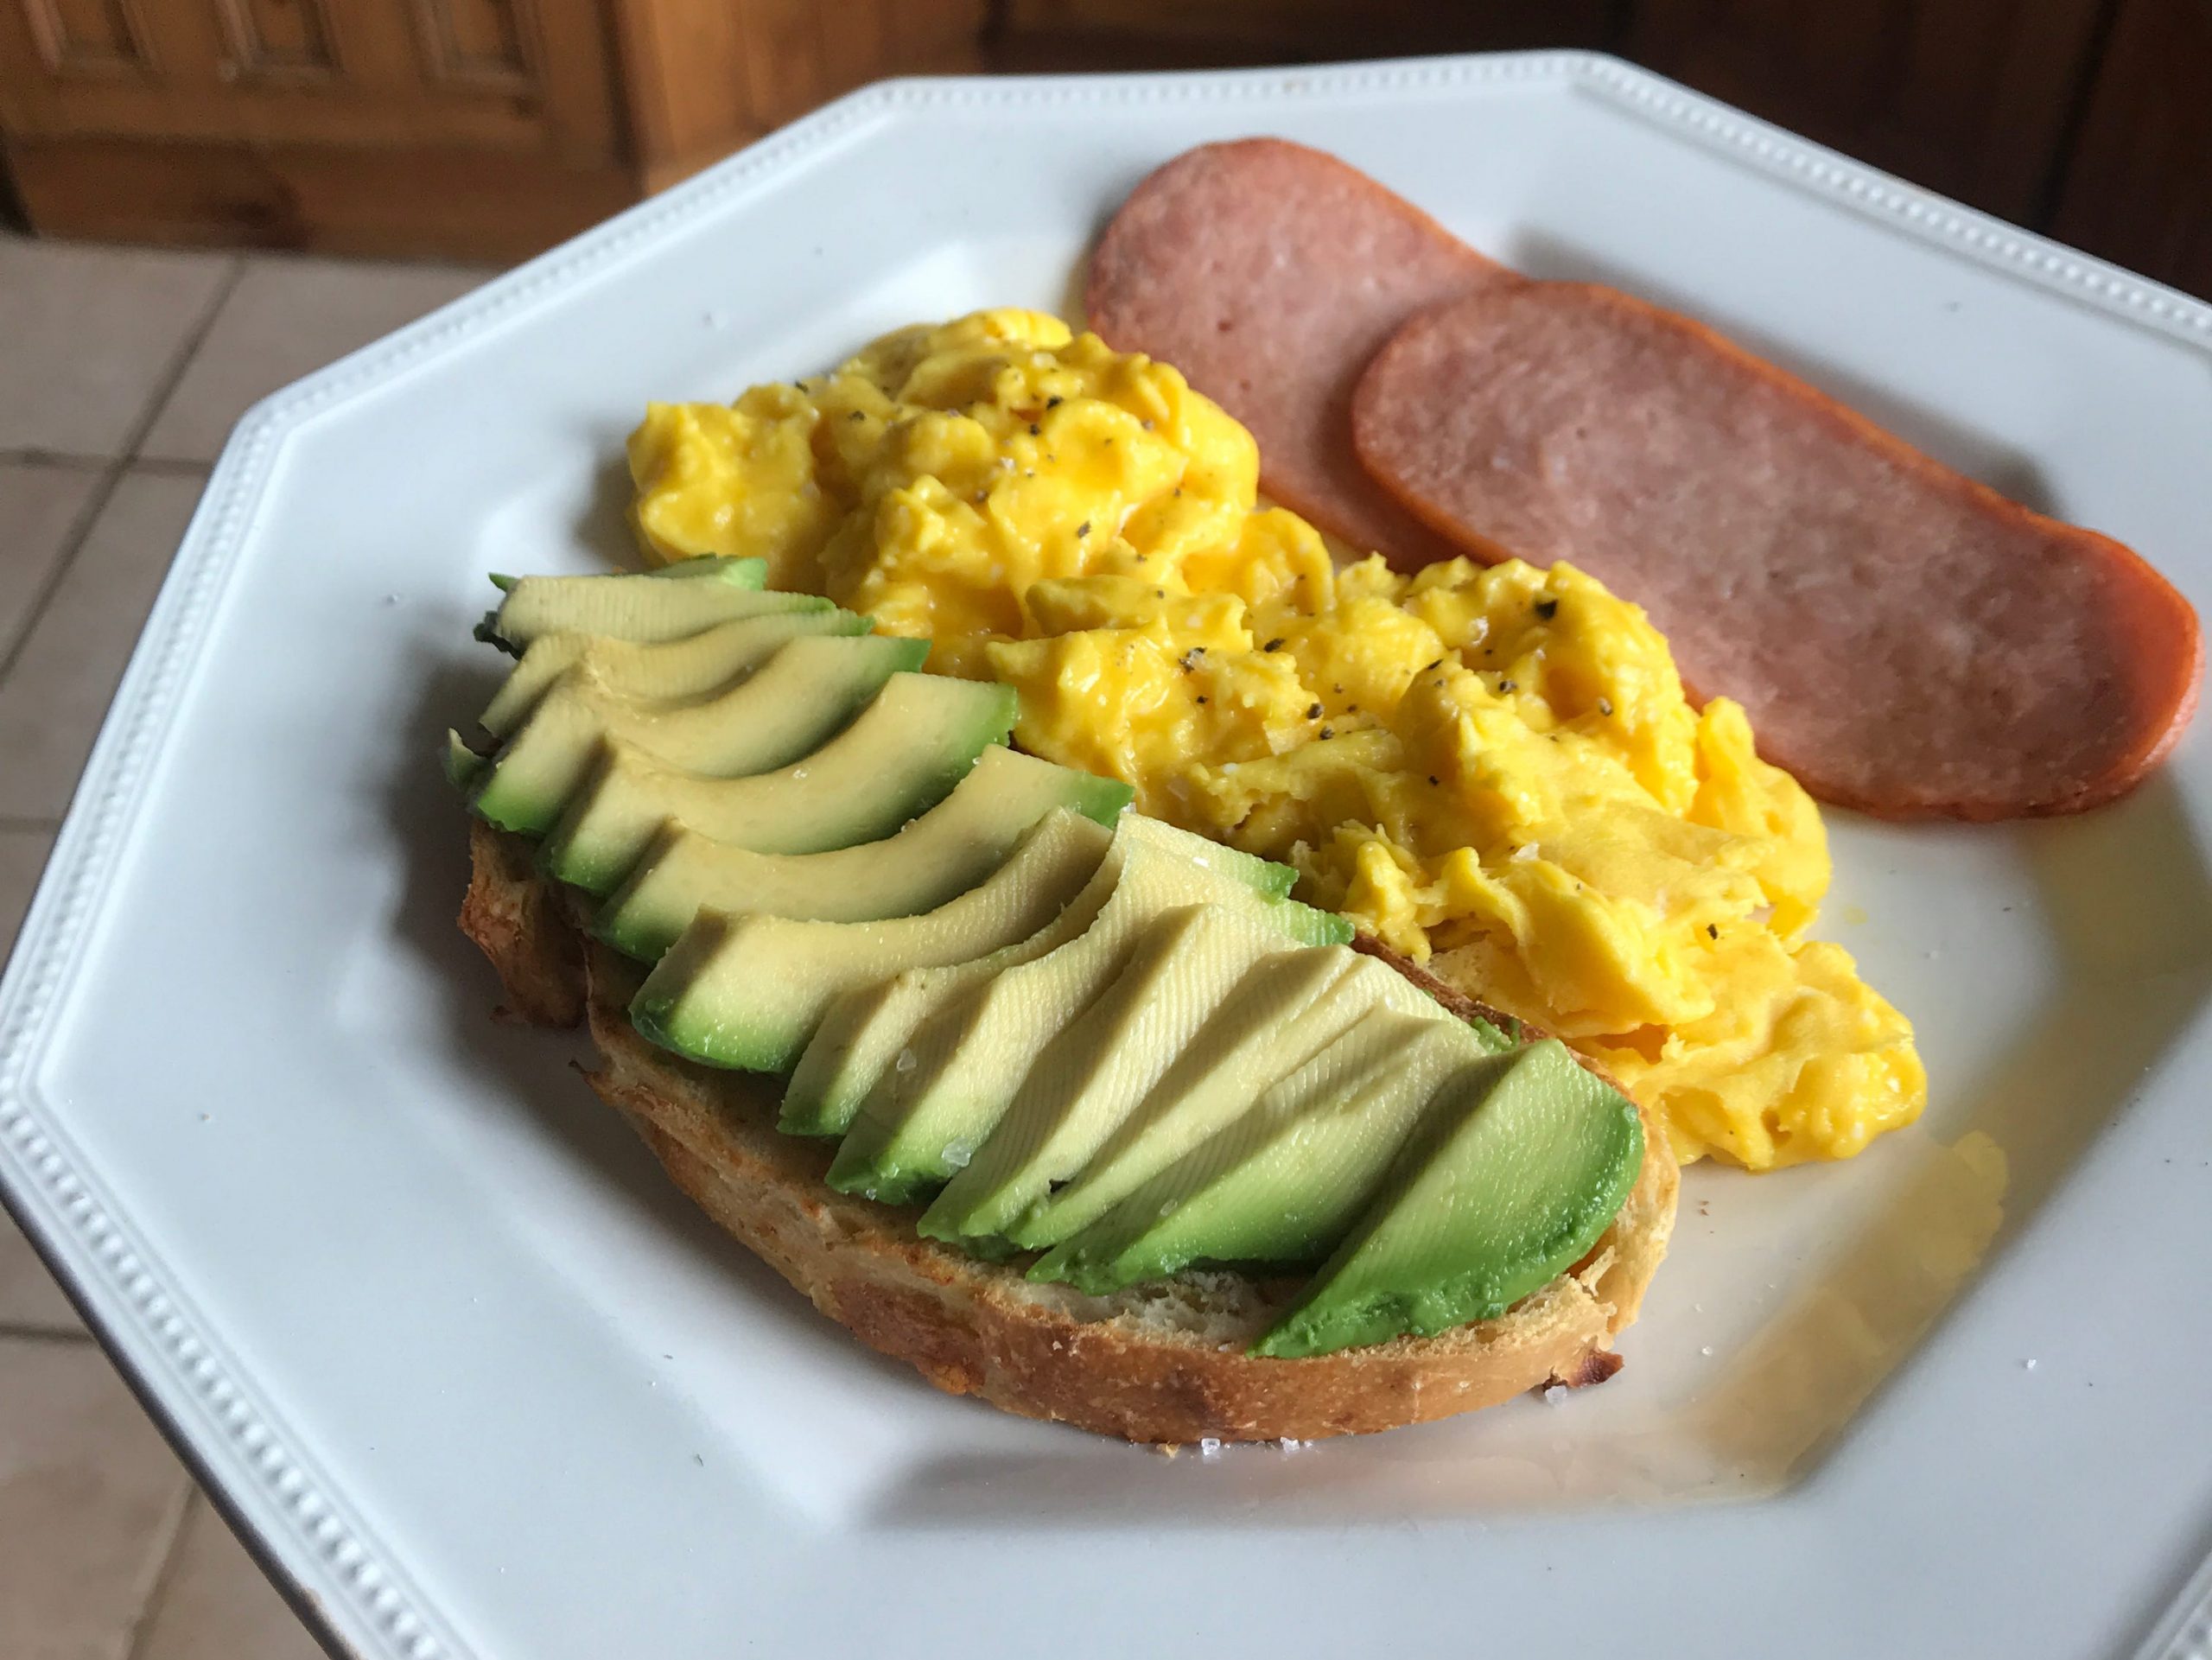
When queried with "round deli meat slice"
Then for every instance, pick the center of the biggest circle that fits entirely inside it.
(1905, 641)
(1269, 274)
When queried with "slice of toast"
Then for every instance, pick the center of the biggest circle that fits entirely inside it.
(1163, 1362)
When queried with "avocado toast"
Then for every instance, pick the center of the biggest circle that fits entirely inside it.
(1097, 1016)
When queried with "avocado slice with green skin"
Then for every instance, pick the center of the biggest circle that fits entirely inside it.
(901, 755)
(645, 609)
(1499, 1190)
(692, 667)
(951, 1085)
(740, 572)
(787, 708)
(462, 766)
(747, 992)
(1090, 1076)
(948, 850)
(1280, 1016)
(1285, 1180)
(863, 1033)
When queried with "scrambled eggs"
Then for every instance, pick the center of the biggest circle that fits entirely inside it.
(1492, 769)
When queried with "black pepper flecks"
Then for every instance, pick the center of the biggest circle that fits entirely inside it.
(1432, 778)
(1084, 529)
(1605, 706)
(1328, 732)
(1275, 645)
(1054, 403)
(1712, 931)
(1314, 713)
(857, 415)
(1548, 609)
(1201, 697)
(1034, 429)
(1504, 686)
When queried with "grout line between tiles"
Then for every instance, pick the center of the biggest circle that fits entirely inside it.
(56, 458)
(102, 493)
(10, 1332)
(142, 1623)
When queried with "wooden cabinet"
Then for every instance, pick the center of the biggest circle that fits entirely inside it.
(2138, 187)
(483, 129)
(1971, 97)
(492, 128)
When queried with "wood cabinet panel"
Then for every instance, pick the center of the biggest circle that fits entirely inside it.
(400, 73)
(1971, 97)
(471, 128)
(2139, 188)
(1105, 34)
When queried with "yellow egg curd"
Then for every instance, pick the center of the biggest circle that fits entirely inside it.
(1492, 769)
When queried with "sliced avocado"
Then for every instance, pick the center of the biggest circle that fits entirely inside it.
(738, 572)
(747, 992)
(901, 755)
(674, 668)
(1285, 1180)
(1087, 1079)
(946, 851)
(463, 766)
(1281, 1014)
(955, 1076)
(744, 570)
(1506, 1183)
(863, 1033)
(787, 708)
(641, 608)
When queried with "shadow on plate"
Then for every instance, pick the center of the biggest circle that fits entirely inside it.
(2127, 893)
(2003, 468)
(533, 1072)
(604, 524)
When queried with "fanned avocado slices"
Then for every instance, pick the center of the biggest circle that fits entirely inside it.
(1500, 1190)
(932, 860)
(640, 608)
(901, 755)
(1083, 1032)
(1093, 1074)
(788, 708)
(1281, 1015)
(863, 1032)
(1282, 1181)
(747, 992)
(673, 670)
(927, 1115)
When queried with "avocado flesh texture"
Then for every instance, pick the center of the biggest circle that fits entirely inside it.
(464, 767)
(1285, 1180)
(1279, 1016)
(1087, 1079)
(946, 851)
(949, 1085)
(788, 708)
(747, 992)
(902, 755)
(863, 1032)
(1500, 1190)
(641, 608)
(691, 667)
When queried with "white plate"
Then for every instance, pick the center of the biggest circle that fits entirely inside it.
(482, 1385)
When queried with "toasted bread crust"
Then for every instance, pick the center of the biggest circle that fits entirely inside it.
(1163, 1363)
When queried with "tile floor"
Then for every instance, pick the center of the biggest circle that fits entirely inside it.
(121, 373)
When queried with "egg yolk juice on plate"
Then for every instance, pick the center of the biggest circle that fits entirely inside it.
(1492, 769)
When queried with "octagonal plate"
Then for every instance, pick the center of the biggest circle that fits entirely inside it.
(479, 1384)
